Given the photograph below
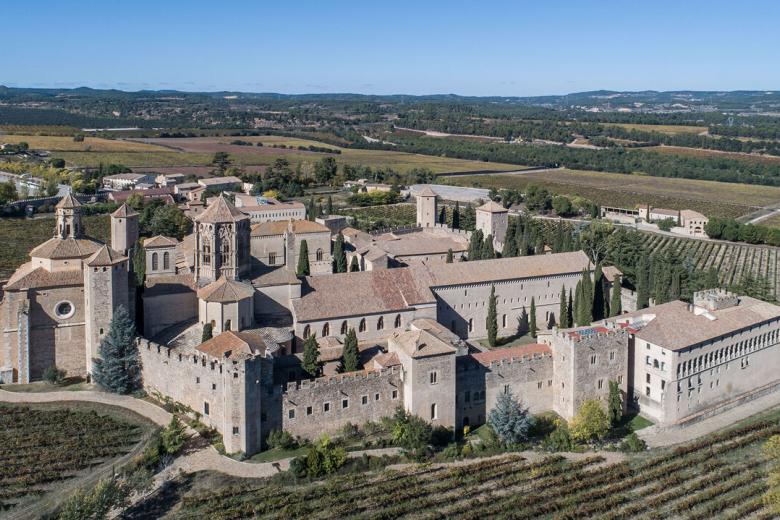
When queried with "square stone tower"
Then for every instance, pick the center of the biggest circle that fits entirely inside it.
(493, 219)
(426, 208)
(124, 229)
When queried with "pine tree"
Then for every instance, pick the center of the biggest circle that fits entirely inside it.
(488, 251)
(492, 318)
(330, 205)
(311, 357)
(339, 255)
(303, 260)
(532, 321)
(208, 333)
(570, 311)
(509, 420)
(599, 304)
(449, 256)
(354, 265)
(443, 215)
(456, 216)
(614, 404)
(562, 309)
(117, 369)
(615, 304)
(350, 357)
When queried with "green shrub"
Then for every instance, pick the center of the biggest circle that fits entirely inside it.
(633, 444)
(280, 439)
(559, 439)
(54, 375)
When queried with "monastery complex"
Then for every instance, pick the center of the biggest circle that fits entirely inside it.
(417, 318)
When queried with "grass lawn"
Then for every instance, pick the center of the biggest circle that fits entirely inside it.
(638, 422)
(70, 384)
(278, 454)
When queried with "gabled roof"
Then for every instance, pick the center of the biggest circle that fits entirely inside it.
(63, 248)
(492, 207)
(68, 202)
(225, 290)
(105, 256)
(27, 277)
(234, 344)
(427, 192)
(278, 227)
(221, 211)
(124, 211)
(421, 343)
(160, 241)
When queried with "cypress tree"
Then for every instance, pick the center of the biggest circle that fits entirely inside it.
(578, 304)
(615, 404)
(598, 294)
(567, 244)
(510, 246)
(443, 215)
(350, 357)
(330, 205)
(587, 298)
(522, 322)
(456, 216)
(117, 369)
(208, 333)
(674, 290)
(449, 256)
(303, 260)
(558, 242)
(311, 357)
(492, 319)
(532, 321)
(615, 305)
(475, 245)
(562, 309)
(354, 265)
(539, 248)
(139, 263)
(487, 248)
(642, 284)
(339, 256)
(570, 312)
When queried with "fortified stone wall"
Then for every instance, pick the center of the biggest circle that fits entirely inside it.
(529, 377)
(311, 408)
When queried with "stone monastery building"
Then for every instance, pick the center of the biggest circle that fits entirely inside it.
(416, 319)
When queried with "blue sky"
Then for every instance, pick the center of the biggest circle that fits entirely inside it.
(385, 47)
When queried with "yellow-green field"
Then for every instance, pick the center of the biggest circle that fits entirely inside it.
(615, 189)
(664, 129)
(55, 143)
(180, 152)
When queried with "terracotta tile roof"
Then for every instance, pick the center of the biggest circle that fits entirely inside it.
(423, 245)
(160, 241)
(232, 344)
(105, 256)
(673, 326)
(278, 276)
(426, 192)
(492, 207)
(27, 277)
(278, 227)
(610, 272)
(221, 211)
(124, 211)
(419, 344)
(64, 248)
(389, 359)
(499, 354)
(68, 202)
(390, 290)
(225, 290)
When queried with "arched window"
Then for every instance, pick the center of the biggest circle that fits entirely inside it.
(206, 254)
(306, 332)
(362, 326)
(503, 321)
(380, 323)
(344, 327)
(434, 412)
(227, 325)
(166, 260)
(398, 321)
(471, 324)
(154, 262)
(319, 255)
(326, 330)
